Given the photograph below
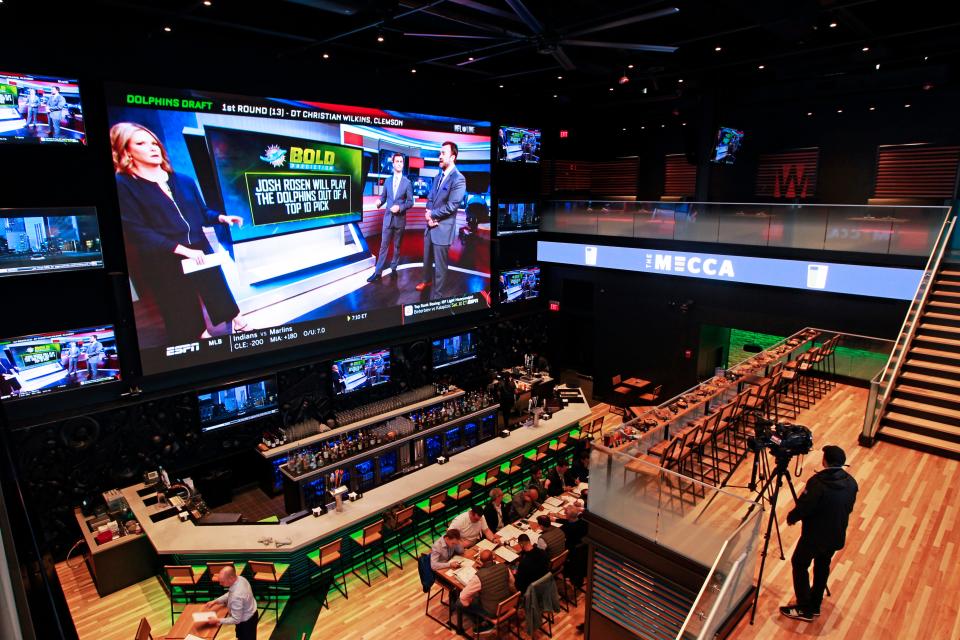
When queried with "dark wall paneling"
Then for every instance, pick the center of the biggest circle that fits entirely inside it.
(680, 176)
(788, 174)
(916, 171)
(567, 175)
(616, 178)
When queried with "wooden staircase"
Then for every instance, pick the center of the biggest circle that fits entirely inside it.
(924, 407)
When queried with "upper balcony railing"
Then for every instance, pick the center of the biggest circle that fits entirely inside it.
(888, 230)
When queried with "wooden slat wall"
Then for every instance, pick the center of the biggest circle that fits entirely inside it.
(614, 178)
(916, 171)
(680, 176)
(568, 175)
(788, 174)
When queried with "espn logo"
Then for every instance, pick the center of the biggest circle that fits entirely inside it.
(181, 349)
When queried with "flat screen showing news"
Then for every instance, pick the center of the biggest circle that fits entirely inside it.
(727, 146)
(234, 404)
(519, 145)
(253, 224)
(44, 240)
(517, 217)
(361, 371)
(519, 285)
(58, 361)
(40, 109)
(454, 350)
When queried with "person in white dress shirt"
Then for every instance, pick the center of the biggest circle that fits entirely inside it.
(242, 608)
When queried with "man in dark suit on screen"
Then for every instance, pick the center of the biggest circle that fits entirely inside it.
(443, 201)
(398, 196)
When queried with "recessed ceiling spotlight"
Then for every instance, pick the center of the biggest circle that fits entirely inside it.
(207, 3)
(809, 113)
(167, 29)
(470, 58)
(663, 126)
(413, 70)
(559, 77)
(611, 88)
(833, 25)
(761, 67)
(623, 129)
(680, 80)
(326, 56)
(623, 80)
(865, 49)
(906, 106)
(501, 86)
(718, 48)
(877, 66)
(644, 91)
(643, 127)
(683, 124)
(873, 108)
(925, 58)
(839, 110)
(379, 37)
(629, 66)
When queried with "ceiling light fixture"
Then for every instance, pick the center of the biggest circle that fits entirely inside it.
(839, 110)
(623, 79)
(925, 58)
(809, 113)
(559, 77)
(207, 3)
(326, 56)
(680, 80)
(877, 66)
(761, 67)
(470, 58)
(413, 70)
(501, 86)
(611, 88)
(554, 95)
(629, 66)
(380, 36)
(643, 127)
(865, 49)
(167, 29)
(906, 106)
(873, 108)
(663, 126)
(718, 48)
(833, 25)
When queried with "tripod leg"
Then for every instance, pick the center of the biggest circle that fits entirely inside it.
(766, 543)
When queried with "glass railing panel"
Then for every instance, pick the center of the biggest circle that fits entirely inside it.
(915, 230)
(623, 491)
(747, 224)
(656, 220)
(861, 357)
(616, 219)
(695, 221)
(798, 228)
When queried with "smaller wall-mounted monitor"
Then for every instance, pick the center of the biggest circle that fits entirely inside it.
(236, 403)
(519, 284)
(361, 371)
(40, 109)
(728, 145)
(454, 350)
(517, 217)
(519, 145)
(59, 361)
(44, 240)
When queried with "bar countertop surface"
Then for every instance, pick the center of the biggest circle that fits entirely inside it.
(171, 536)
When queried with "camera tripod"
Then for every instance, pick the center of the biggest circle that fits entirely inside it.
(781, 470)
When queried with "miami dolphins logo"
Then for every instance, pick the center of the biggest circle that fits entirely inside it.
(274, 155)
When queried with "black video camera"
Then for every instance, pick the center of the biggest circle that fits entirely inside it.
(783, 439)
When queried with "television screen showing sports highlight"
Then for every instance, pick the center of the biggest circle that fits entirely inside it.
(519, 284)
(40, 109)
(361, 371)
(44, 240)
(519, 145)
(253, 224)
(59, 361)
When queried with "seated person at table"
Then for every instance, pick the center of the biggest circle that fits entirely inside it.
(472, 527)
(532, 565)
(444, 549)
(581, 468)
(492, 584)
(240, 603)
(537, 482)
(551, 539)
(496, 513)
(525, 503)
(560, 479)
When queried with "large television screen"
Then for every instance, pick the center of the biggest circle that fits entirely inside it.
(236, 403)
(517, 217)
(727, 146)
(253, 224)
(454, 350)
(517, 285)
(42, 240)
(58, 361)
(519, 145)
(40, 109)
(361, 371)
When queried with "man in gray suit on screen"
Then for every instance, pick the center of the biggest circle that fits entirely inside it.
(443, 202)
(398, 196)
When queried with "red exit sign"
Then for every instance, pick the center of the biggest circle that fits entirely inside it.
(554, 305)
(564, 133)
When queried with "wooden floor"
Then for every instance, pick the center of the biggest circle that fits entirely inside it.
(896, 579)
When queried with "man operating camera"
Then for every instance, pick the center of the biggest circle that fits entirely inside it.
(824, 509)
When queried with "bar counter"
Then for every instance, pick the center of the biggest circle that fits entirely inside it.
(171, 537)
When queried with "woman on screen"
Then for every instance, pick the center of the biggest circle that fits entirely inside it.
(163, 215)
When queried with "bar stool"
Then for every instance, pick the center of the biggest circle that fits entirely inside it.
(329, 559)
(268, 575)
(144, 630)
(541, 453)
(558, 447)
(556, 568)
(370, 541)
(457, 497)
(491, 477)
(403, 523)
(185, 578)
(513, 474)
(214, 568)
(433, 511)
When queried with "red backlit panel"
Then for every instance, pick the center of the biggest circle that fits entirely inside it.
(788, 174)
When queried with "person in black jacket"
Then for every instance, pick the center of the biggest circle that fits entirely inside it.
(496, 513)
(824, 509)
(532, 565)
(163, 216)
(560, 479)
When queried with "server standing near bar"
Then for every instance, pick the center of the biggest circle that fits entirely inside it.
(824, 509)
(240, 603)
